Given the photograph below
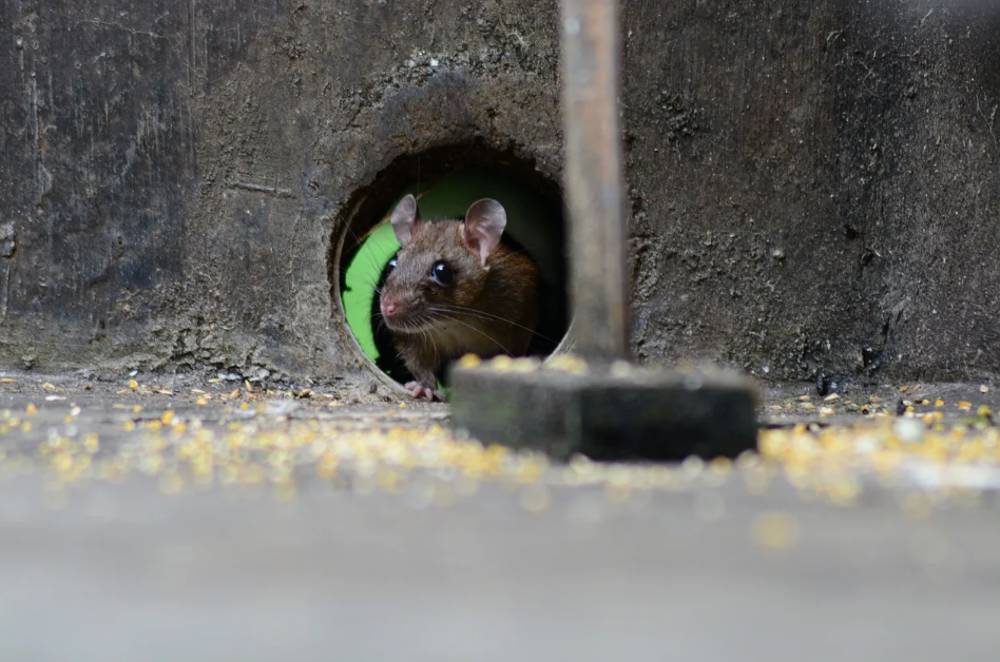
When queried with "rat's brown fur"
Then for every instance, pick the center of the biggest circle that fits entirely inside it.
(487, 311)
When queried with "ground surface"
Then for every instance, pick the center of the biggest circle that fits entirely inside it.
(142, 519)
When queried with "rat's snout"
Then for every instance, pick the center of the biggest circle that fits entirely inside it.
(392, 308)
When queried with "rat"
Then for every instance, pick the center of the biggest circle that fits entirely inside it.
(453, 289)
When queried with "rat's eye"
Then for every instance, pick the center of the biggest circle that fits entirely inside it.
(442, 274)
(391, 264)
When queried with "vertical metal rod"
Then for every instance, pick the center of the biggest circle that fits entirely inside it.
(593, 177)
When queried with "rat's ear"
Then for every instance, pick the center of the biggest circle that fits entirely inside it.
(405, 219)
(484, 223)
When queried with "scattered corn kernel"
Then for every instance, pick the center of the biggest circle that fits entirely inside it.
(775, 530)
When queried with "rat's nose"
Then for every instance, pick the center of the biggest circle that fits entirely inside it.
(390, 307)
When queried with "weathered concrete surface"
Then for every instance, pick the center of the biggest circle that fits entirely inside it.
(814, 184)
(174, 170)
(125, 573)
(526, 568)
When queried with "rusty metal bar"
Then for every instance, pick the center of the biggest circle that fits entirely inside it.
(593, 177)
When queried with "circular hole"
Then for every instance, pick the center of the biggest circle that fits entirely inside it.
(447, 180)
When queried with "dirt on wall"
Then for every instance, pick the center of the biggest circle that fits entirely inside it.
(815, 186)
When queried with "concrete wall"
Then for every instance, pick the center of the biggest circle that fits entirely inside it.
(815, 184)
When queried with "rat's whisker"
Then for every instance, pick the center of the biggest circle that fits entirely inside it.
(472, 312)
(477, 330)
(430, 338)
(425, 333)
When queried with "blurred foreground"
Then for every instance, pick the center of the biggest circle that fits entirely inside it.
(161, 520)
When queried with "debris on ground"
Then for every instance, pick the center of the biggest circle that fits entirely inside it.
(834, 447)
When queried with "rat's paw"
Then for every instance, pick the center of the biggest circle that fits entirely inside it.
(416, 389)
(421, 392)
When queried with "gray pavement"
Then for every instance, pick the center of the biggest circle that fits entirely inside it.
(536, 570)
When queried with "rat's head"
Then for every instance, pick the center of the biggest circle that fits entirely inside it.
(439, 265)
